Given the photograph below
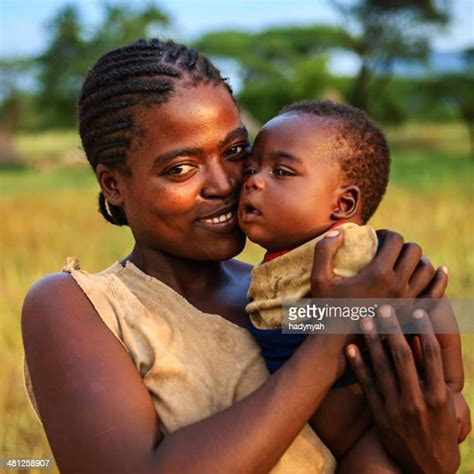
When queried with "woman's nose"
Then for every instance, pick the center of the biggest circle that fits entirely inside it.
(219, 182)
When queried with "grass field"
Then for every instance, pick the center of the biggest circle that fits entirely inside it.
(48, 210)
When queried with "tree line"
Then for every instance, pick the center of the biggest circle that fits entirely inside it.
(276, 66)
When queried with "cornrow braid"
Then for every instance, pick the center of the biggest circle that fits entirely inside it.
(122, 72)
(128, 60)
(136, 47)
(139, 74)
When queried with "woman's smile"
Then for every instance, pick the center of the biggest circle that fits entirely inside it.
(222, 220)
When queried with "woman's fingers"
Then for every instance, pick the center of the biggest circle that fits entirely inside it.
(382, 368)
(366, 381)
(421, 277)
(401, 351)
(432, 360)
(463, 416)
(389, 251)
(408, 261)
(324, 253)
(436, 287)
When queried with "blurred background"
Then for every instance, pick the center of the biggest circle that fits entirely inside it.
(409, 64)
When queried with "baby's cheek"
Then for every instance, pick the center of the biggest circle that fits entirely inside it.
(292, 217)
(287, 228)
(262, 238)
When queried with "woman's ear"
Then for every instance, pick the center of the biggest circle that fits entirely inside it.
(109, 184)
(348, 202)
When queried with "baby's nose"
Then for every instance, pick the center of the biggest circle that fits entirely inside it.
(254, 181)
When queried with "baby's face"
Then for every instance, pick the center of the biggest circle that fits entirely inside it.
(291, 182)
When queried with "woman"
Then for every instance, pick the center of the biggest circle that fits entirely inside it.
(135, 358)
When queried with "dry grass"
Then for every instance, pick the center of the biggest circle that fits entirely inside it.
(44, 149)
(451, 138)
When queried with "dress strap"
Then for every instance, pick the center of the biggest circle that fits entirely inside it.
(72, 263)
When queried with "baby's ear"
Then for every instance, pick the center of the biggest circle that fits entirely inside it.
(348, 202)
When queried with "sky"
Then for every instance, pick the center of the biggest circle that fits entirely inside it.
(24, 31)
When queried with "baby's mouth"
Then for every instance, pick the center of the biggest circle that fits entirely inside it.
(248, 212)
(249, 209)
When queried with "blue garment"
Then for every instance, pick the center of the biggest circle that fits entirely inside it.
(276, 348)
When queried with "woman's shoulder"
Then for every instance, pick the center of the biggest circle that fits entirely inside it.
(59, 287)
(63, 299)
(72, 298)
(49, 303)
(62, 288)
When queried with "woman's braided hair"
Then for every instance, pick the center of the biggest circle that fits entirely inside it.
(142, 73)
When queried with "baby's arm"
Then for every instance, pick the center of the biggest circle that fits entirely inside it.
(368, 456)
(344, 423)
(341, 419)
(447, 332)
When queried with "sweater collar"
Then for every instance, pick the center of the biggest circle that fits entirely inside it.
(269, 256)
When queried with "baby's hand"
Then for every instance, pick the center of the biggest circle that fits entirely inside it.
(463, 416)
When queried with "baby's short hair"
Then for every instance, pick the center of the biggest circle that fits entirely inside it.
(360, 146)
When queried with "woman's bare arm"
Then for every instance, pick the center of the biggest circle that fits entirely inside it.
(99, 416)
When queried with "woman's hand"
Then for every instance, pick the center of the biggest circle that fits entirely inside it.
(397, 271)
(416, 419)
(463, 416)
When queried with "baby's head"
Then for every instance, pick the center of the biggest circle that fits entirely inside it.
(314, 165)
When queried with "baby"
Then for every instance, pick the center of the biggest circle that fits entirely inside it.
(314, 167)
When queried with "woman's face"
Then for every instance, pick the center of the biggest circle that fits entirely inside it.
(186, 170)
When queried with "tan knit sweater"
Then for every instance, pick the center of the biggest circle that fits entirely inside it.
(289, 276)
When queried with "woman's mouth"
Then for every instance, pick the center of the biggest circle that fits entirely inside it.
(223, 222)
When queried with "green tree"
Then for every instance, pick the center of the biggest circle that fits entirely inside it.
(61, 68)
(12, 72)
(278, 65)
(72, 49)
(380, 32)
(457, 89)
(276, 62)
(123, 24)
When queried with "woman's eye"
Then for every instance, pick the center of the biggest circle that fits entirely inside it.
(280, 172)
(180, 170)
(237, 151)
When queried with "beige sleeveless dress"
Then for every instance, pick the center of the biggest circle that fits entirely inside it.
(194, 364)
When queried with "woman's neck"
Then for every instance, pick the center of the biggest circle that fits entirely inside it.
(183, 275)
